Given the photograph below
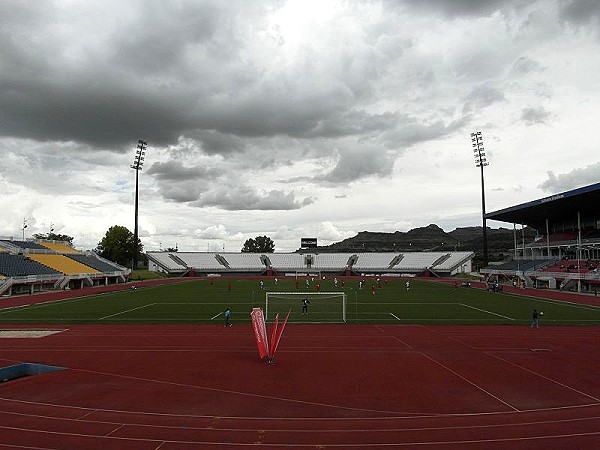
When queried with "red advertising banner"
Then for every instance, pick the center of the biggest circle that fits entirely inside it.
(277, 338)
(260, 331)
(273, 336)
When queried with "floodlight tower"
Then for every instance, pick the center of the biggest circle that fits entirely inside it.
(24, 226)
(138, 162)
(481, 162)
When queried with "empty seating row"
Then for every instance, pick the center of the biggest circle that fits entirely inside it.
(166, 261)
(374, 260)
(203, 261)
(95, 263)
(331, 261)
(452, 260)
(60, 248)
(419, 261)
(62, 264)
(26, 245)
(243, 261)
(287, 261)
(20, 266)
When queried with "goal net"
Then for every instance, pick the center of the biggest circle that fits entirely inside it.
(322, 307)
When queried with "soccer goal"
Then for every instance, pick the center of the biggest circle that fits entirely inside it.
(324, 307)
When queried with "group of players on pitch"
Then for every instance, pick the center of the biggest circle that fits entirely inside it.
(535, 315)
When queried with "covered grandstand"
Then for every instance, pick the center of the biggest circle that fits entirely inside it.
(34, 266)
(565, 252)
(282, 264)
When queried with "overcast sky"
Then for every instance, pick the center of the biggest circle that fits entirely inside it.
(289, 118)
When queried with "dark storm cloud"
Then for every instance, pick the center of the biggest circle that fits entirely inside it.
(453, 8)
(234, 198)
(535, 116)
(355, 123)
(525, 65)
(571, 180)
(354, 164)
(164, 70)
(176, 171)
(411, 131)
(157, 41)
(482, 96)
(214, 142)
(580, 11)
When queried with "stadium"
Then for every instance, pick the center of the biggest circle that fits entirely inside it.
(98, 361)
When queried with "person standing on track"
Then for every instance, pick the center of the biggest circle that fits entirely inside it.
(227, 315)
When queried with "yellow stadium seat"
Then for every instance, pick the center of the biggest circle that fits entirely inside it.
(59, 248)
(62, 264)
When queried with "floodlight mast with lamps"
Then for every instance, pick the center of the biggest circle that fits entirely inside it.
(24, 226)
(481, 162)
(138, 162)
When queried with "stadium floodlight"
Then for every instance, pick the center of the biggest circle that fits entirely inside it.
(481, 162)
(138, 162)
(24, 226)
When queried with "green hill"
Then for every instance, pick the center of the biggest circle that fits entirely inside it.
(433, 238)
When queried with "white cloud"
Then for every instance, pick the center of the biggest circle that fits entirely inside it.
(289, 118)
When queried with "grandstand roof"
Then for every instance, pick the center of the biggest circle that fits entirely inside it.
(563, 206)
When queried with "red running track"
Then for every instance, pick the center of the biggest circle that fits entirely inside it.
(342, 386)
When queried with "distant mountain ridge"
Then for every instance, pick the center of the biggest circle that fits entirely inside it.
(433, 239)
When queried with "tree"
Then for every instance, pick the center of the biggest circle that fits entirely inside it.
(261, 244)
(117, 245)
(54, 237)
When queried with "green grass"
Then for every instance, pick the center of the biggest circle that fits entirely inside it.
(200, 301)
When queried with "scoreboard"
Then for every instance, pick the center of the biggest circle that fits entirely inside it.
(308, 243)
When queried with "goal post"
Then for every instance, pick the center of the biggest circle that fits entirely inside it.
(324, 307)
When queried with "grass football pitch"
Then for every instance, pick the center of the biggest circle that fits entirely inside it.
(203, 301)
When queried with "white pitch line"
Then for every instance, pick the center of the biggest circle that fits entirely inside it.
(214, 317)
(489, 312)
(394, 315)
(126, 311)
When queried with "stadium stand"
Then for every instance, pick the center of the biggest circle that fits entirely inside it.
(200, 261)
(439, 263)
(287, 261)
(163, 261)
(62, 264)
(30, 266)
(331, 261)
(419, 260)
(374, 261)
(452, 260)
(59, 247)
(25, 245)
(96, 263)
(570, 265)
(244, 261)
(20, 266)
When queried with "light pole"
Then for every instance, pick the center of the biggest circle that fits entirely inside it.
(481, 162)
(138, 162)
(24, 226)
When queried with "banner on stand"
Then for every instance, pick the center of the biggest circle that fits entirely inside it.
(260, 332)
